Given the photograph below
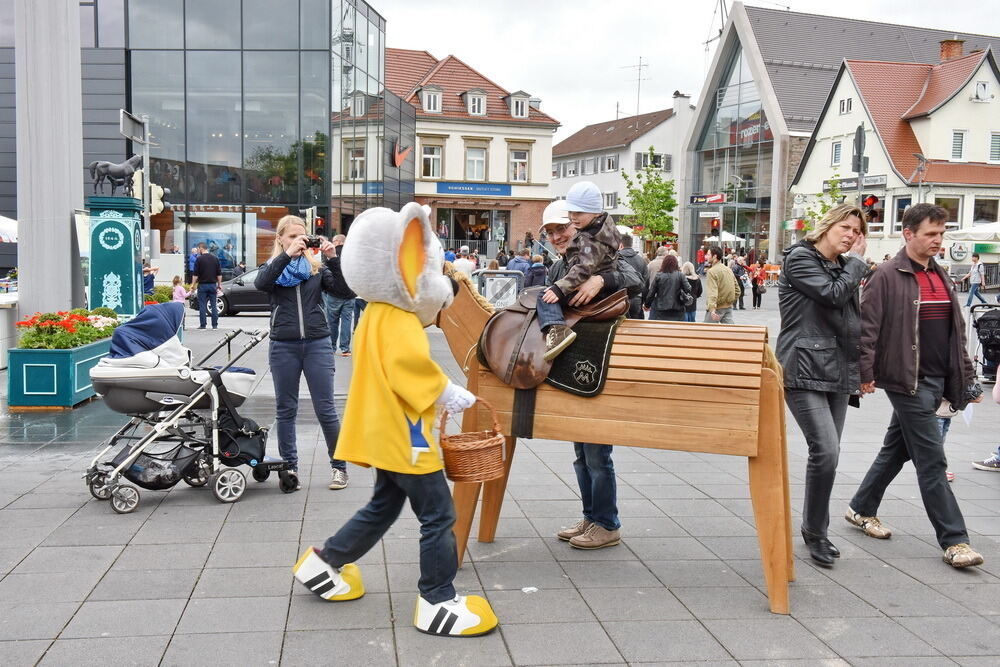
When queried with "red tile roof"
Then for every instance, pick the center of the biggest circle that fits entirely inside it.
(406, 71)
(944, 81)
(892, 92)
(611, 133)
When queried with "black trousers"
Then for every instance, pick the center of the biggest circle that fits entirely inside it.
(914, 435)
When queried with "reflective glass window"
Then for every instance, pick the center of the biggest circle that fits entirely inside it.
(88, 26)
(270, 24)
(314, 126)
(212, 25)
(315, 24)
(213, 126)
(6, 23)
(110, 23)
(158, 90)
(271, 128)
(156, 24)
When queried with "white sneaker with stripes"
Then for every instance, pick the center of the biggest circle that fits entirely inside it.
(327, 581)
(465, 616)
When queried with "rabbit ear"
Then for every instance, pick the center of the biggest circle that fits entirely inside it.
(412, 254)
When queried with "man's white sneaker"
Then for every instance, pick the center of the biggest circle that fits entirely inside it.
(338, 479)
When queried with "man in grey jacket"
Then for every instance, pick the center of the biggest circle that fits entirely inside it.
(913, 347)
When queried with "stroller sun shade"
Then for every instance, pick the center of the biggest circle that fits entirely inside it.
(150, 338)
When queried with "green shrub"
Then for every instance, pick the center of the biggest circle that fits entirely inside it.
(104, 312)
(161, 294)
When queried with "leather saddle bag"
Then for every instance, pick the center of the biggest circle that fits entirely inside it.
(512, 344)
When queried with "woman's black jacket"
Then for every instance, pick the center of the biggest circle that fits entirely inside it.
(297, 313)
(664, 292)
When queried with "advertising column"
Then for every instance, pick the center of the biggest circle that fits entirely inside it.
(115, 279)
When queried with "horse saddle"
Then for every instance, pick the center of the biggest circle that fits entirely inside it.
(512, 344)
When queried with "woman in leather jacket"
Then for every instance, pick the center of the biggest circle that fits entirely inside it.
(664, 297)
(300, 338)
(819, 349)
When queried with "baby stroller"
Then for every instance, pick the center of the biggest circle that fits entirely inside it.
(984, 318)
(184, 422)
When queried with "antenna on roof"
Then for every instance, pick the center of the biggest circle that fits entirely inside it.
(638, 81)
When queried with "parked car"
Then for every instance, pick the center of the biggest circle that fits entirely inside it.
(239, 295)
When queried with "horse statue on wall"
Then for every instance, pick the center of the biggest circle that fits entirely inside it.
(119, 175)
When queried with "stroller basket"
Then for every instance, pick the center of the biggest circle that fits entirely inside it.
(157, 471)
(988, 331)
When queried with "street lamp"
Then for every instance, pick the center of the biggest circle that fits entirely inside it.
(919, 172)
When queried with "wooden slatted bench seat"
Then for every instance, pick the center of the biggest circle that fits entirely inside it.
(671, 385)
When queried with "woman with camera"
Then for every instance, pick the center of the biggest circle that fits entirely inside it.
(300, 338)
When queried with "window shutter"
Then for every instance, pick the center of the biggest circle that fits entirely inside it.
(957, 145)
(668, 162)
(995, 147)
(638, 161)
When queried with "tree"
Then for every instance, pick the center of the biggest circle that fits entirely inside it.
(823, 202)
(652, 201)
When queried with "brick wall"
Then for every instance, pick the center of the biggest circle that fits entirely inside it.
(796, 148)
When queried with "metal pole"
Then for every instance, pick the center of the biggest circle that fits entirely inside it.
(147, 196)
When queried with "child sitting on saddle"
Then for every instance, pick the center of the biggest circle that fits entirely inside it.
(591, 252)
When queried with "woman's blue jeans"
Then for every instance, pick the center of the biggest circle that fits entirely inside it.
(595, 473)
(431, 502)
(289, 361)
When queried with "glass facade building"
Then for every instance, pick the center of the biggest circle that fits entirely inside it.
(257, 109)
(734, 156)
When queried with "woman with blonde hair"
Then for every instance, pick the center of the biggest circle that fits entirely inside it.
(296, 279)
(696, 290)
(819, 349)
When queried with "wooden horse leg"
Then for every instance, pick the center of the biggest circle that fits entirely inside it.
(768, 483)
(493, 496)
(465, 496)
(788, 493)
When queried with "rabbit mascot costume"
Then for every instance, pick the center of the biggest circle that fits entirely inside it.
(394, 261)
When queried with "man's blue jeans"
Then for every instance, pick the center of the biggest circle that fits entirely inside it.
(431, 502)
(289, 360)
(974, 294)
(206, 297)
(339, 313)
(595, 474)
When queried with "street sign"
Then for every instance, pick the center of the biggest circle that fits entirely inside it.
(709, 214)
(800, 199)
(131, 127)
(500, 288)
(719, 198)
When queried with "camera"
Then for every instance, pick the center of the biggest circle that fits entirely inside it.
(312, 242)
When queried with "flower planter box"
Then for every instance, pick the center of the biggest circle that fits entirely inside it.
(52, 378)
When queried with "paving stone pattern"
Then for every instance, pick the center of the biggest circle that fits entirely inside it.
(186, 580)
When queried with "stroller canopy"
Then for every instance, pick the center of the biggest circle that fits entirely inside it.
(153, 330)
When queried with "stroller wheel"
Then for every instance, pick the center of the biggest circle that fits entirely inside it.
(228, 485)
(260, 473)
(288, 482)
(199, 475)
(124, 499)
(97, 487)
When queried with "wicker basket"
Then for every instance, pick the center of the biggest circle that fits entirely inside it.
(473, 457)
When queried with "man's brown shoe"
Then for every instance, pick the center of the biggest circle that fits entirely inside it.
(557, 339)
(870, 524)
(962, 555)
(596, 537)
(578, 528)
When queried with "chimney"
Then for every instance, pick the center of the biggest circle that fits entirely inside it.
(681, 101)
(535, 103)
(951, 48)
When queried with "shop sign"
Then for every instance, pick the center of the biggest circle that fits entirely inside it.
(959, 251)
(987, 248)
(475, 189)
(709, 214)
(852, 183)
(719, 198)
(750, 130)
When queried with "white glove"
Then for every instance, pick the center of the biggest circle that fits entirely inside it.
(455, 398)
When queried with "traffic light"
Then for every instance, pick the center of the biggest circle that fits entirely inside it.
(716, 225)
(869, 205)
(156, 198)
(136, 184)
(321, 226)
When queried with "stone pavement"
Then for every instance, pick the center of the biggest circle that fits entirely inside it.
(187, 580)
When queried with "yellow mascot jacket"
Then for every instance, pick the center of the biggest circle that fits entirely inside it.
(389, 416)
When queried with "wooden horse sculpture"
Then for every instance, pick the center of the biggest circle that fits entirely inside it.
(116, 174)
(671, 385)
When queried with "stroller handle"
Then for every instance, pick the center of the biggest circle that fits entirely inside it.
(222, 343)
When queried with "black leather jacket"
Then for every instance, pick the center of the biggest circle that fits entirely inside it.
(819, 343)
(664, 293)
(297, 313)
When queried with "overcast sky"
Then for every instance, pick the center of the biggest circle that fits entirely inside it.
(571, 53)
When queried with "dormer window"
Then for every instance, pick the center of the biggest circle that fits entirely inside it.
(432, 100)
(358, 108)
(477, 105)
(519, 109)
